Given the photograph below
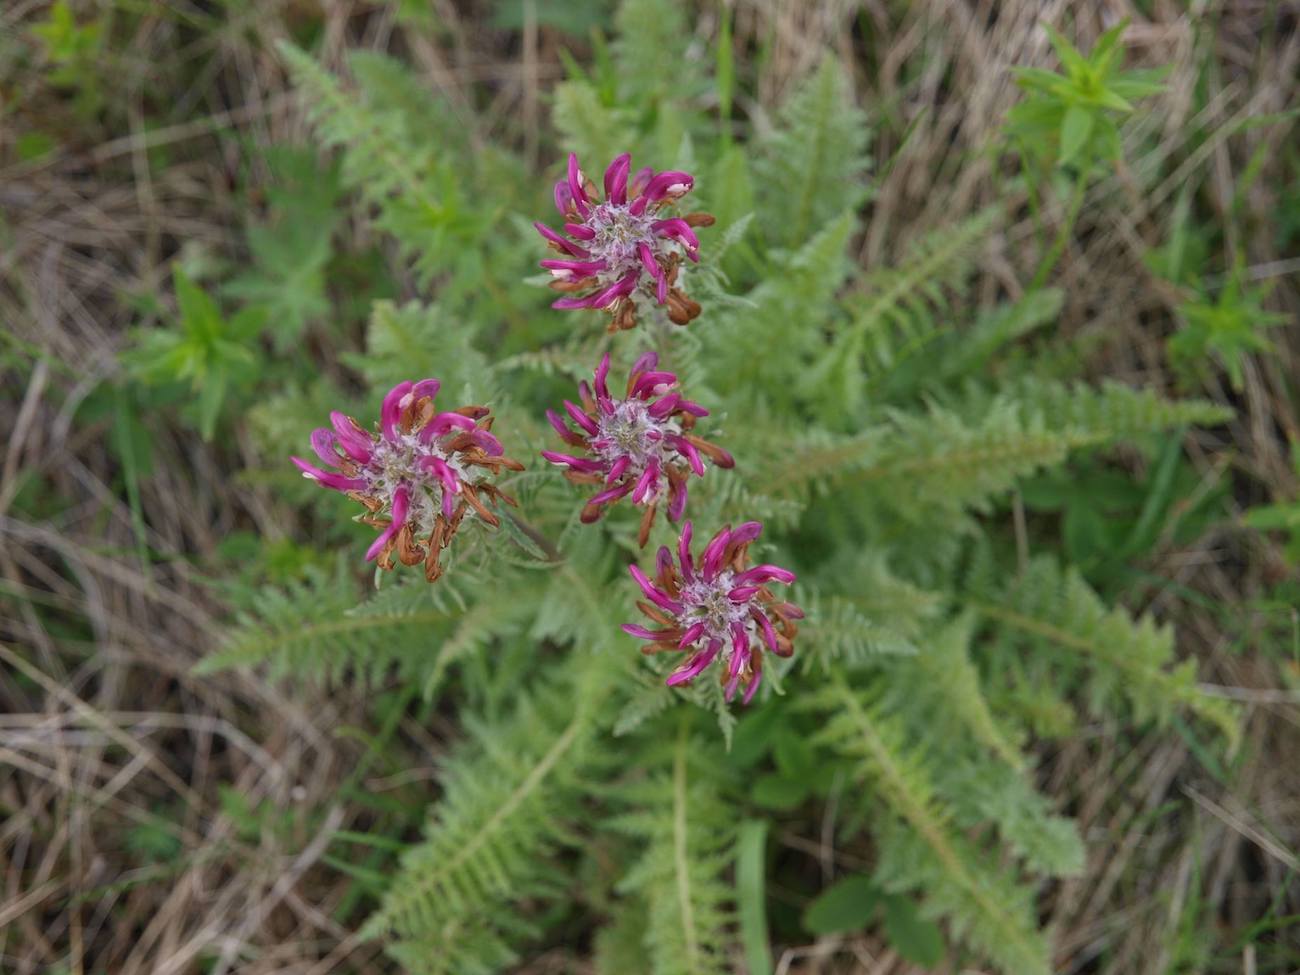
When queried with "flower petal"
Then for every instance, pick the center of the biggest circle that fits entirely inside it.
(392, 409)
(559, 241)
(616, 178)
(443, 424)
(647, 483)
(581, 418)
(601, 375)
(643, 633)
(577, 463)
(695, 665)
(576, 190)
(325, 444)
(711, 560)
(692, 455)
(653, 383)
(677, 499)
(425, 387)
(618, 469)
(670, 183)
(693, 633)
(580, 268)
(764, 573)
(684, 552)
(654, 593)
(354, 440)
(621, 288)
(329, 479)
(580, 231)
(765, 624)
(611, 494)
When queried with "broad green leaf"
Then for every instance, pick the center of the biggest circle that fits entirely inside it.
(1075, 129)
(779, 792)
(916, 939)
(846, 905)
(199, 314)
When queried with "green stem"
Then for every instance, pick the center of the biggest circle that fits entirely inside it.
(681, 853)
(1062, 235)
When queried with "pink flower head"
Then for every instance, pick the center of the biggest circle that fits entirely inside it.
(418, 477)
(622, 247)
(718, 608)
(640, 446)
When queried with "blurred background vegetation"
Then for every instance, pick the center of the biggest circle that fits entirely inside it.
(188, 282)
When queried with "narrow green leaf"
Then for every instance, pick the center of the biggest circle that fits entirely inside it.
(751, 904)
(1160, 497)
(1107, 48)
(726, 77)
(1073, 62)
(212, 393)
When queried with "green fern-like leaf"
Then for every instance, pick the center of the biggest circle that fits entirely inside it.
(943, 670)
(1113, 412)
(929, 466)
(985, 906)
(894, 321)
(590, 128)
(416, 340)
(788, 308)
(317, 631)
(964, 353)
(814, 164)
(508, 794)
(620, 944)
(982, 792)
(654, 35)
(1127, 661)
(391, 158)
(687, 833)
(950, 460)
(839, 634)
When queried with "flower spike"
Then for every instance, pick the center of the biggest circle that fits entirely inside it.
(715, 608)
(418, 478)
(620, 251)
(640, 447)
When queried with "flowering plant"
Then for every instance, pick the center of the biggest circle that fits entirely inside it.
(419, 477)
(717, 604)
(642, 445)
(621, 250)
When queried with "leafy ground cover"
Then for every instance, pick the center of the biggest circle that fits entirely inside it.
(996, 321)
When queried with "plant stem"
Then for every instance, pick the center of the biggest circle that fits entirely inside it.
(1062, 235)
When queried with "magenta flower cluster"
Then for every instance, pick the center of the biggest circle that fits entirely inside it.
(419, 477)
(425, 471)
(641, 446)
(622, 252)
(718, 608)
(619, 250)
